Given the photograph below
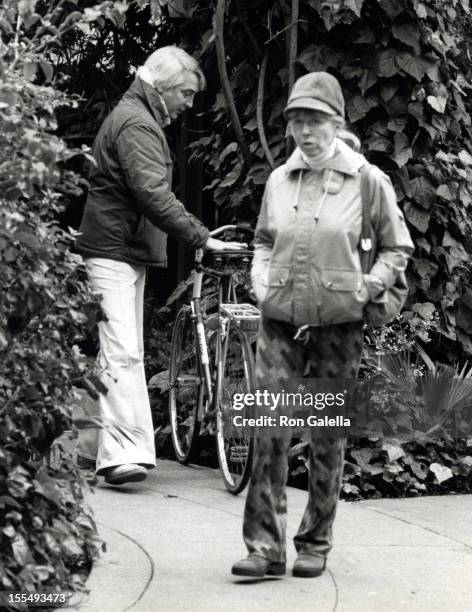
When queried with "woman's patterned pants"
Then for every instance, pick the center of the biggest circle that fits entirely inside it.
(330, 352)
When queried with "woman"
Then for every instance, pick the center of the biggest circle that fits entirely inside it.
(307, 277)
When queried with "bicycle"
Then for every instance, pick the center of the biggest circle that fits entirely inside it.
(210, 360)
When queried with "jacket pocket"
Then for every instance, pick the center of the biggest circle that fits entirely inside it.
(343, 295)
(277, 302)
(259, 288)
(147, 244)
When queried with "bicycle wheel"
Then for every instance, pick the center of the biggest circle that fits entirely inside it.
(186, 388)
(235, 445)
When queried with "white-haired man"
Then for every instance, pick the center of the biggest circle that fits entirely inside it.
(129, 211)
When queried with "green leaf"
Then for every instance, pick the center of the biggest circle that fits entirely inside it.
(414, 66)
(465, 157)
(71, 548)
(385, 64)
(423, 244)
(438, 103)
(29, 70)
(403, 152)
(21, 551)
(91, 14)
(73, 17)
(397, 124)
(393, 450)
(425, 268)
(464, 312)
(160, 381)
(393, 8)
(9, 531)
(417, 217)
(26, 7)
(426, 310)
(47, 69)
(409, 34)
(377, 142)
(358, 106)
(354, 5)
(388, 91)
(5, 26)
(251, 125)
(444, 192)
(421, 10)
(231, 148)
(84, 28)
(310, 58)
(366, 36)
(420, 470)
(156, 10)
(363, 456)
(441, 472)
(423, 191)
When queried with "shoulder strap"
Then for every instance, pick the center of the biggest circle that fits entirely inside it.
(366, 245)
(366, 199)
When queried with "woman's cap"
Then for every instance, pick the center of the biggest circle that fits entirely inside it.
(319, 91)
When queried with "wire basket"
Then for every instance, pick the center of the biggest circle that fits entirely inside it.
(245, 316)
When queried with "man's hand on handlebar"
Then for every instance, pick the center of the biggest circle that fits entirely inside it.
(213, 244)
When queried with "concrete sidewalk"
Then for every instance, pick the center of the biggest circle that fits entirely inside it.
(172, 540)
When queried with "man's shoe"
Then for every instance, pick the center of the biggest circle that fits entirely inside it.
(128, 472)
(308, 566)
(84, 463)
(257, 567)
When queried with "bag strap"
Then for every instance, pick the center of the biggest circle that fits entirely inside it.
(365, 244)
(366, 199)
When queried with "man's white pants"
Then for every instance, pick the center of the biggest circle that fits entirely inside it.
(120, 366)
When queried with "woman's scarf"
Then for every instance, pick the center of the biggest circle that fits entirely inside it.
(317, 162)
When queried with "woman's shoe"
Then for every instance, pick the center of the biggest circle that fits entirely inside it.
(308, 566)
(128, 472)
(257, 567)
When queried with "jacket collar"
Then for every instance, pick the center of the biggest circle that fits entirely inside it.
(345, 160)
(141, 90)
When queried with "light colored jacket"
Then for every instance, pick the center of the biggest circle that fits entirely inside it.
(306, 268)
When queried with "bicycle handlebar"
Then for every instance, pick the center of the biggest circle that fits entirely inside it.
(238, 226)
(219, 230)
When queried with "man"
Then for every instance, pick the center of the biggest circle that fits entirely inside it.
(129, 210)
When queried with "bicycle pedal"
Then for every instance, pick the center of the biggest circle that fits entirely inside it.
(186, 381)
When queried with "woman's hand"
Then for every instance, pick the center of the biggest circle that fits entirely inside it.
(374, 285)
(213, 244)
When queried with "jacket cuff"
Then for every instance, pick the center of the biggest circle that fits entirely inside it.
(387, 274)
(201, 239)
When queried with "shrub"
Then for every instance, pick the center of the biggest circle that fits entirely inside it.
(48, 536)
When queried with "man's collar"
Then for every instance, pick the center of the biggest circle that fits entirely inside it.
(152, 98)
(345, 160)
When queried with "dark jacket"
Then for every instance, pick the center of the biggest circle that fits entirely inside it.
(130, 206)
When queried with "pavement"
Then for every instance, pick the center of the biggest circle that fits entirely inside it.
(172, 539)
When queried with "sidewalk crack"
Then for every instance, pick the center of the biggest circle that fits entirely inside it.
(147, 555)
(428, 529)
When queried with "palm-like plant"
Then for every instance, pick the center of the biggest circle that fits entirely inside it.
(436, 397)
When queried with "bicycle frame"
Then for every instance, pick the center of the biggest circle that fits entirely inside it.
(212, 376)
(197, 316)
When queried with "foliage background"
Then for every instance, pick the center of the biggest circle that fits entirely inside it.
(405, 68)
